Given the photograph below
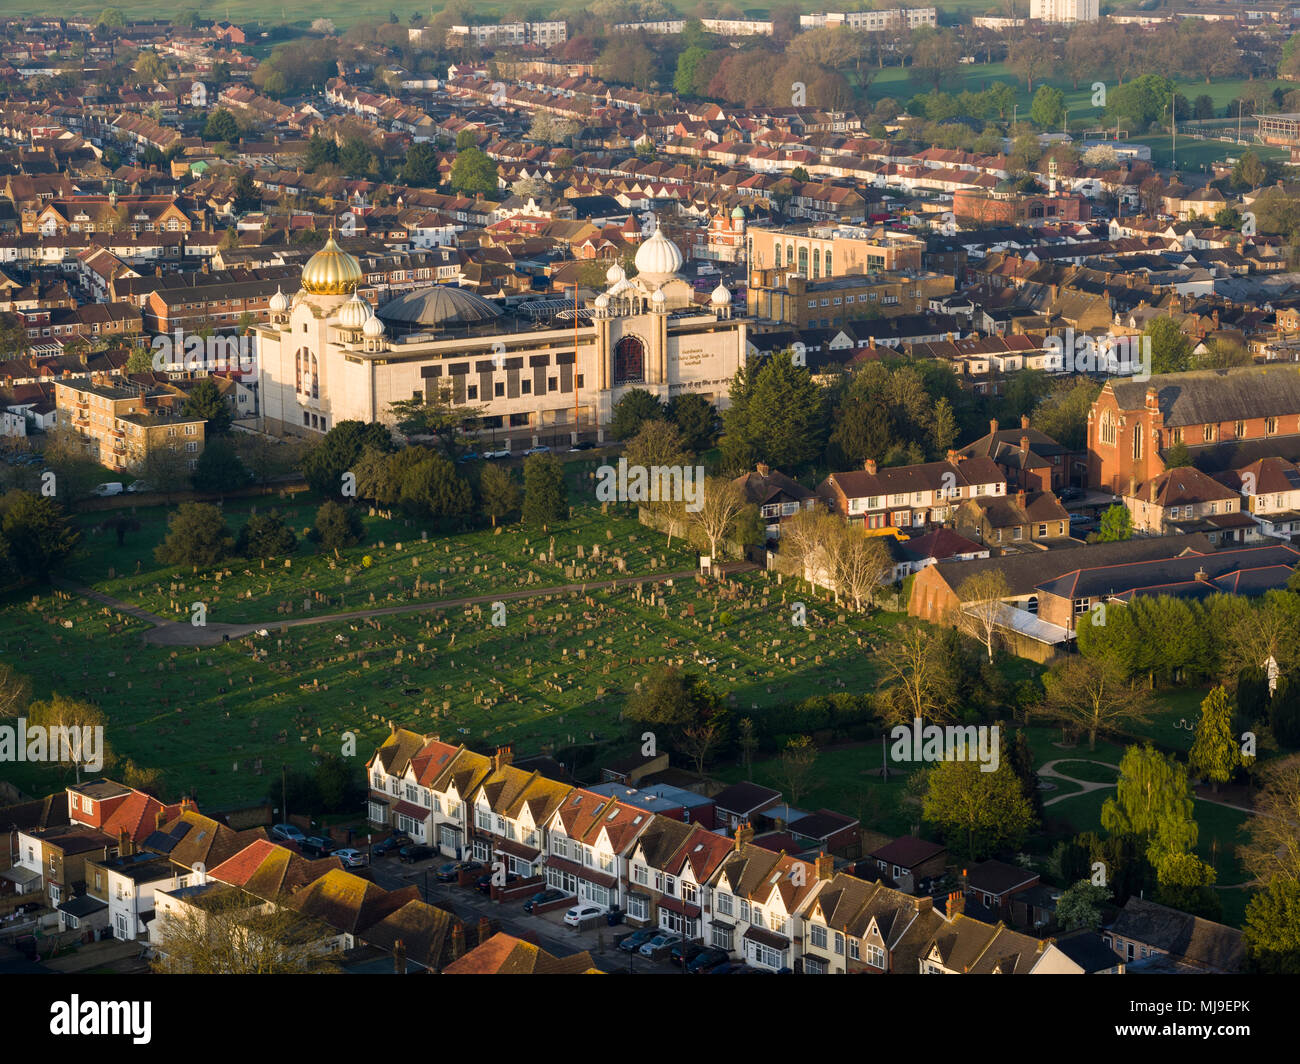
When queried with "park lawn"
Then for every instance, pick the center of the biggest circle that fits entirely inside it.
(1234, 904)
(845, 779)
(556, 675)
(1220, 835)
(403, 568)
(1198, 155)
(1042, 740)
(1059, 787)
(1088, 771)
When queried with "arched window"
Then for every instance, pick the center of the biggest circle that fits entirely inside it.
(817, 262)
(629, 361)
(1032, 605)
(1137, 441)
(315, 379)
(1108, 427)
(826, 261)
(297, 370)
(803, 261)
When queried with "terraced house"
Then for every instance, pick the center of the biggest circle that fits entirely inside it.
(669, 870)
(588, 840)
(511, 810)
(853, 926)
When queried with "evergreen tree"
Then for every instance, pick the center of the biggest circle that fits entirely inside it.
(337, 527)
(499, 492)
(219, 469)
(546, 496)
(37, 535)
(266, 536)
(196, 536)
(434, 489)
(1215, 753)
(338, 452)
(634, 408)
(784, 415)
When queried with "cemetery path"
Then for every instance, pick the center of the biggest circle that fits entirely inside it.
(184, 634)
(1049, 770)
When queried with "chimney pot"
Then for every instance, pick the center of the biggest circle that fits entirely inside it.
(1024, 421)
(870, 466)
(993, 427)
(1024, 444)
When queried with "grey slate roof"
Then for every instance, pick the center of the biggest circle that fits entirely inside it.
(1211, 396)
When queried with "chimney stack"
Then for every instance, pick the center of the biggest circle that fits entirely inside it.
(870, 466)
(1024, 421)
(123, 843)
(744, 834)
(993, 427)
(1132, 487)
(1020, 498)
(1202, 577)
(457, 940)
(504, 756)
(484, 929)
(399, 957)
(1024, 444)
(763, 469)
(1152, 399)
(825, 866)
(956, 904)
(952, 456)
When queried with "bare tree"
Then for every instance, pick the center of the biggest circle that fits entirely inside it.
(1274, 847)
(15, 691)
(1094, 693)
(700, 740)
(721, 503)
(805, 539)
(922, 684)
(748, 744)
(226, 931)
(864, 566)
(797, 761)
(981, 598)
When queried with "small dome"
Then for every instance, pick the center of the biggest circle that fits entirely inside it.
(602, 301)
(373, 329)
(721, 296)
(614, 274)
(658, 299)
(331, 271)
(279, 302)
(658, 260)
(738, 213)
(438, 306)
(354, 313)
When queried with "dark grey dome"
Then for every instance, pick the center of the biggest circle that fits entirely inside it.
(437, 306)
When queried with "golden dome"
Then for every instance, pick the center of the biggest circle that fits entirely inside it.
(331, 271)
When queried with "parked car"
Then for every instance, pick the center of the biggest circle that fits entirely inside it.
(138, 486)
(393, 842)
(542, 897)
(468, 456)
(449, 872)
(1067, 493)
(584, 911)
(582, 445)
(657, 945)
(411, 854)
(288, 833)
(497, 454)
(707, 960)
(104, 490)
(484, 882)
(543, 449)
(637, 939)
(350, 858)
(684, 952)
(320, 845)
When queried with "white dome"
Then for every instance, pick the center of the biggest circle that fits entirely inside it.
(721, 296)
(658, 299)
(602, 301)
(614, 274)
(373, 329)
(621, 287)
(658, 259)
(354, 313)
(279, 302)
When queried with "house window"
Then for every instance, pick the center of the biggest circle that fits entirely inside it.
(1018, 533)
(1270, 426)
(855, 951)
(1207, 434)
(724, 903)
(721, 937)
(637, 907)
(817, 935)
(1108, 427)
(1239, 430)
(875, 956)
(1080, 606)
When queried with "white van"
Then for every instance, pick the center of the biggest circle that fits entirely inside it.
(112, 488)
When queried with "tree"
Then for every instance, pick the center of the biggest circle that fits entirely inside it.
(1272, 851)
(37, 532)
(498, 492)
(748, 741)
(798, 760)
(1031, 59)
(696, 420)
(922, 684)
(73, 715)
(1184, 883)
(720, 505)
(337, 453)
(1215, 753)
(149, 69)
(196, 536)
(1048, 108)
(337, 527)
(1153, 803)
(421, 166)
(672, 697)
(657, 443)
(1095, 694)
(433, 488)
(1116, 524)
(979, 812)
(784, 417)
(15, 692)
(1171, 350)
(165, 469)
(266, 536)
(1272, 928)
(473, 172)
(227, 931)
(221, 125)
(266, 457)
(634, 408)
(981, 596)
(863, 566)
(1178, 456)
(546, 496)
(701, 739)
(435, 415)
(1080, 905)
(219, 469)
(936, 55)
